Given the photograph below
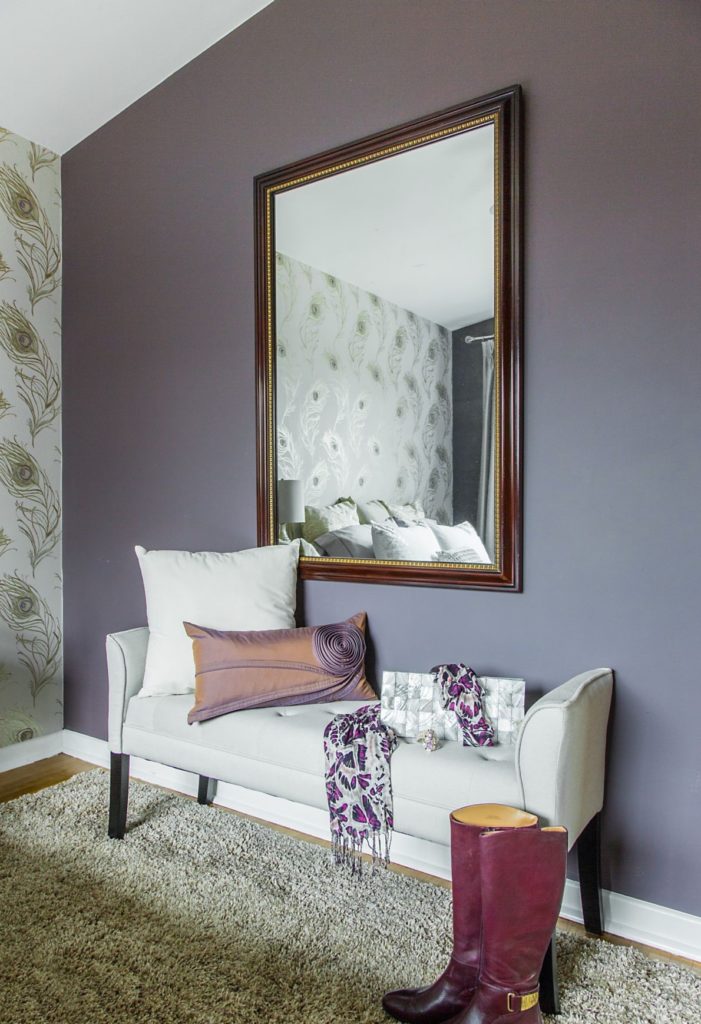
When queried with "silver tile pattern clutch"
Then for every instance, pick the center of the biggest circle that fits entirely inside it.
(411, 704)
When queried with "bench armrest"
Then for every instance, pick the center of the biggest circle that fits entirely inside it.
(561, 751)
(126, 660)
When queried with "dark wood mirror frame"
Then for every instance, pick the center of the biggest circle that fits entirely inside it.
(504, 110)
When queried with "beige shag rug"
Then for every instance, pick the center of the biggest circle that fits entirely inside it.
(201, 917)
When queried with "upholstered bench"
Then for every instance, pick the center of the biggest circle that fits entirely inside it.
(555, 770)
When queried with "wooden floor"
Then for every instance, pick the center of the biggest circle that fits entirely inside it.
(33, 777)
(40, 774)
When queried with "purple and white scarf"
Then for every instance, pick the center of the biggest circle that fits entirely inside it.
(358, 748)
(461, 693)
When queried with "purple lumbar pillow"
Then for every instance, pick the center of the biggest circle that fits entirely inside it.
(275, 667)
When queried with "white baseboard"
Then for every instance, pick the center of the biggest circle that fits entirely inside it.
(87, 748)
(661, 927)
(36, 749)
(653, 925)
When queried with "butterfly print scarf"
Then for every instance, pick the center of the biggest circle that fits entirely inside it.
(461, 693)
(358, 748)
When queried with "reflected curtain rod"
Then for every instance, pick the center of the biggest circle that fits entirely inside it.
(468, 339)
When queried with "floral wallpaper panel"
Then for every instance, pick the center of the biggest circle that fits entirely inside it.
(364, 398)
(30, 440)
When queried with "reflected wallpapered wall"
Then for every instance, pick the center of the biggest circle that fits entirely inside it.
(30, 440)
(363, 405)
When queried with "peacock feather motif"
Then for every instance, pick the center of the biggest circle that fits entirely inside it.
(358, 343)
(40, 156)
(413, 464)
(443, 399)
(336, 456)
(38, 248)
(37, 375)
(430, 428)
(316, 482)
(284, 291)
(4, 267)
(37, 504)
(313, 406)
(288, 460)
(337, 294)
(357, 421)
(37, 633)
(378, 310)
(311, 324)
(413, 395)
(376, 374)
(5, 542)
(430, 363)
(16, 726)
(398, 349)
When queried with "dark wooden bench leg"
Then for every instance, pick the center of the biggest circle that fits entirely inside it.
(589, 861)
(119, 795)
(206, 790)
(549, 991)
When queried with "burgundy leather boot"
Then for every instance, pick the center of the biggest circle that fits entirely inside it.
(523, 878)
(453, 991)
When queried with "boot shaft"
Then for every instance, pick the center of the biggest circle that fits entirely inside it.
(467, 825)
(522, 882)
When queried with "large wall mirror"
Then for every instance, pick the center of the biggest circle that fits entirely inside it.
(389, 339)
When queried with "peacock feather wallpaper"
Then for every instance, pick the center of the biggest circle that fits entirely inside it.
(30, 441)
(362, 405)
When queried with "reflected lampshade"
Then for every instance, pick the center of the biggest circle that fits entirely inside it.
(290, 501)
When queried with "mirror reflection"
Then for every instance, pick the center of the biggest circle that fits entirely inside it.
(384, 315)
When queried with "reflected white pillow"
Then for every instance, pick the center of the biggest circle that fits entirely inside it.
(413, 512)
(373, 511)
(253, 589)
(309, 549)
(322, 519)
(462, 555)
(459, 538)
(403, 543)
(348, 542)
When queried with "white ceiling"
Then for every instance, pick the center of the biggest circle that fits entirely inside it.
(69, 66)
(416, 229)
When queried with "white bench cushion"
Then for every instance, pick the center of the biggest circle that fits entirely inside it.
(280, 751)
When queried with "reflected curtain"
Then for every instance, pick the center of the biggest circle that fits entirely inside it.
(485, 503)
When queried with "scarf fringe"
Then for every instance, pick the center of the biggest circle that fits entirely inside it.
(347, 851)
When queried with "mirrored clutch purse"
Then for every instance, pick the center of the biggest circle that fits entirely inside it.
(411, 705)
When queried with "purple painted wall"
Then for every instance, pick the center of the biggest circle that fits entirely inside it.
(159, 355)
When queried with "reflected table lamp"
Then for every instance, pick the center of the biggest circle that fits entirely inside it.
(290, 502)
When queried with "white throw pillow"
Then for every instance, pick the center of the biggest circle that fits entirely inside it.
(460, 555)
(372, 511)
(459, 537)
(322, 519)
(253, 589)
(403, 543)
(349, 542)
(412, 512)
